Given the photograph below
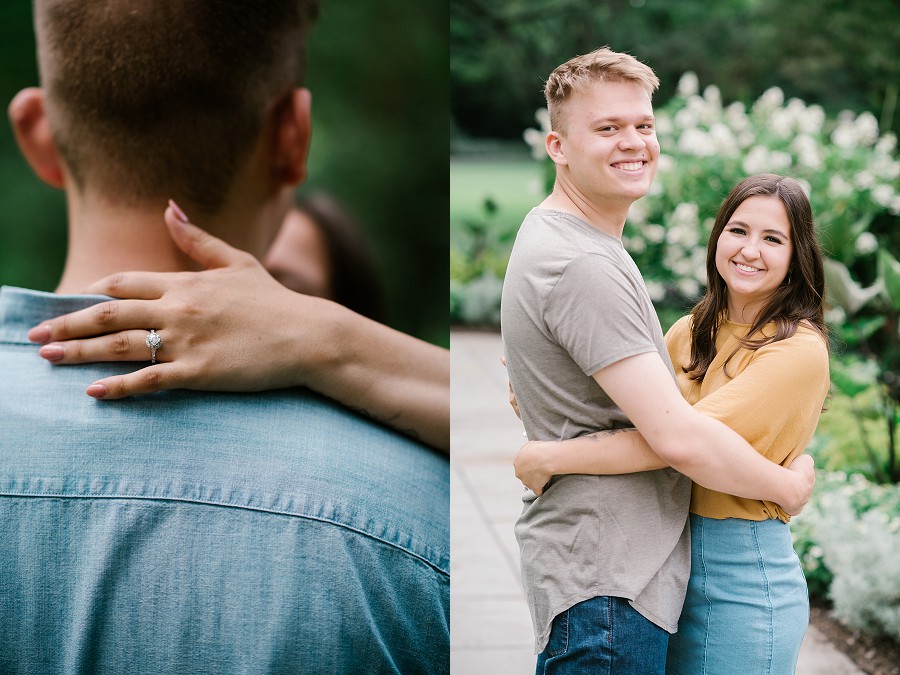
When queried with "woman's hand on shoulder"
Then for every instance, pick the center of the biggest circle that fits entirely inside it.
(214, 324)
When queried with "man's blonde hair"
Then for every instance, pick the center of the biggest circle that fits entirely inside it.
(601, 65)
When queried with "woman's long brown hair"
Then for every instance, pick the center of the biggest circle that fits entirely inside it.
(801, 296)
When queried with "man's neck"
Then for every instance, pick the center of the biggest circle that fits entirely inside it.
(607, 216)
(106, 238)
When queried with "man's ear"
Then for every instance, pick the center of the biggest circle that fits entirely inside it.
(28, 116)
(553, 144)
(292, 137)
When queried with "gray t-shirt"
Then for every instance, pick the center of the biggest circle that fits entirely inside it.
(573, 303)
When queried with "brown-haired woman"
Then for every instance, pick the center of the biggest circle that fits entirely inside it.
(752, 353)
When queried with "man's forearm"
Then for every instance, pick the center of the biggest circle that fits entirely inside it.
(610, 452)
(717, 458)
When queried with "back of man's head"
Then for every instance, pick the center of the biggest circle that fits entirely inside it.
(146, 96)
(579, 73)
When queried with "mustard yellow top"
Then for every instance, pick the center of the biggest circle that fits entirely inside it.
(773, 399)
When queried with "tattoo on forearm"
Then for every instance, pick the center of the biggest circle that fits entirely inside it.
(600, 435)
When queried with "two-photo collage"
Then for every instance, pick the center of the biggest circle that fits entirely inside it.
(656, 432)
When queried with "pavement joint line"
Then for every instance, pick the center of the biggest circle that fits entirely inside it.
(483, 514)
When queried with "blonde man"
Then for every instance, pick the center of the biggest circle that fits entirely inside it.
(605, 559)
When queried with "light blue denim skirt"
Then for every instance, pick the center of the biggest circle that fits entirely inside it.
(747, 606)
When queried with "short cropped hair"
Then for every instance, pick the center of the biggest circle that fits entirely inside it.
(579, 73)
(151, 98)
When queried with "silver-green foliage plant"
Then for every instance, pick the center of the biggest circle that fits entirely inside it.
(848, 540)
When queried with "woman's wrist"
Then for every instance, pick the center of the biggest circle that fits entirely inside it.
(316, 331)
(551, 458)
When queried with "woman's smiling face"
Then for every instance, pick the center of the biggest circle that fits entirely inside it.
(753, 255)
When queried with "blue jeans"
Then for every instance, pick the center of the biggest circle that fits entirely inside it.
(746, 608)
(603, 635)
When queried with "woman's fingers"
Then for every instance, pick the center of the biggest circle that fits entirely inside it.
(206, 249)
(128, 345)
(106, 317)
(144, 381)
(134, 285)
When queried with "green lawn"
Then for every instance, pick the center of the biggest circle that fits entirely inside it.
(514, 185)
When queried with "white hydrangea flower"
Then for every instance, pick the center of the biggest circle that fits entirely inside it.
(864, 180)
(838, 187)
(756, 161)
(663, 125)
(542, 116)
(665, 163)
(685, 119)
(654, 233)
(866, 243)
(689, 287)
(781, 122)
(885, 168)
(736, 116)
(655, 290)
(723, 140)
(698, 264)
(687, 213)
(713, 96)
(866, 128)
(696, 142)
(746, 139)
(887, 143)
(836, 315)
(535, 140)
(808, 152)
(844, 134)
(780, 160)
(688, 85)
(771, 99)
(883, 195)
(634, 245)
(811, 120)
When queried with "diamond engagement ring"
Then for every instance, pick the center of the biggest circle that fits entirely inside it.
(154, 341)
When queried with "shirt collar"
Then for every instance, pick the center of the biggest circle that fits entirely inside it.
(22, 309)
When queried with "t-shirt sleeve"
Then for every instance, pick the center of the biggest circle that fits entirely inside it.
(775, 396)
(596, 312)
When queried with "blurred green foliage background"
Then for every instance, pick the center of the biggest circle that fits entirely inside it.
(377, 72)
(835, 53)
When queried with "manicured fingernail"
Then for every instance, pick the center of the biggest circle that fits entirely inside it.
(40, 334)
(52, 352)
(96, 390)
(178, 212)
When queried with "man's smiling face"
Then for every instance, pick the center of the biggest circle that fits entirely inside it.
(608, 141)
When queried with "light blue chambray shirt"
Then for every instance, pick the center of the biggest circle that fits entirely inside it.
(187, 532)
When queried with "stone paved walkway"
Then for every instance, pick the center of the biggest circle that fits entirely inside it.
(489, 622)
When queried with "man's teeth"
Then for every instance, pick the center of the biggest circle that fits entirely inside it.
(630, 166)
(746, 268)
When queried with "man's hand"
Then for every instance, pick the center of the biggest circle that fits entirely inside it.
(804, 468)
(530, 463)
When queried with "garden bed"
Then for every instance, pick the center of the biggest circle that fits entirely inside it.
(872, 655)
